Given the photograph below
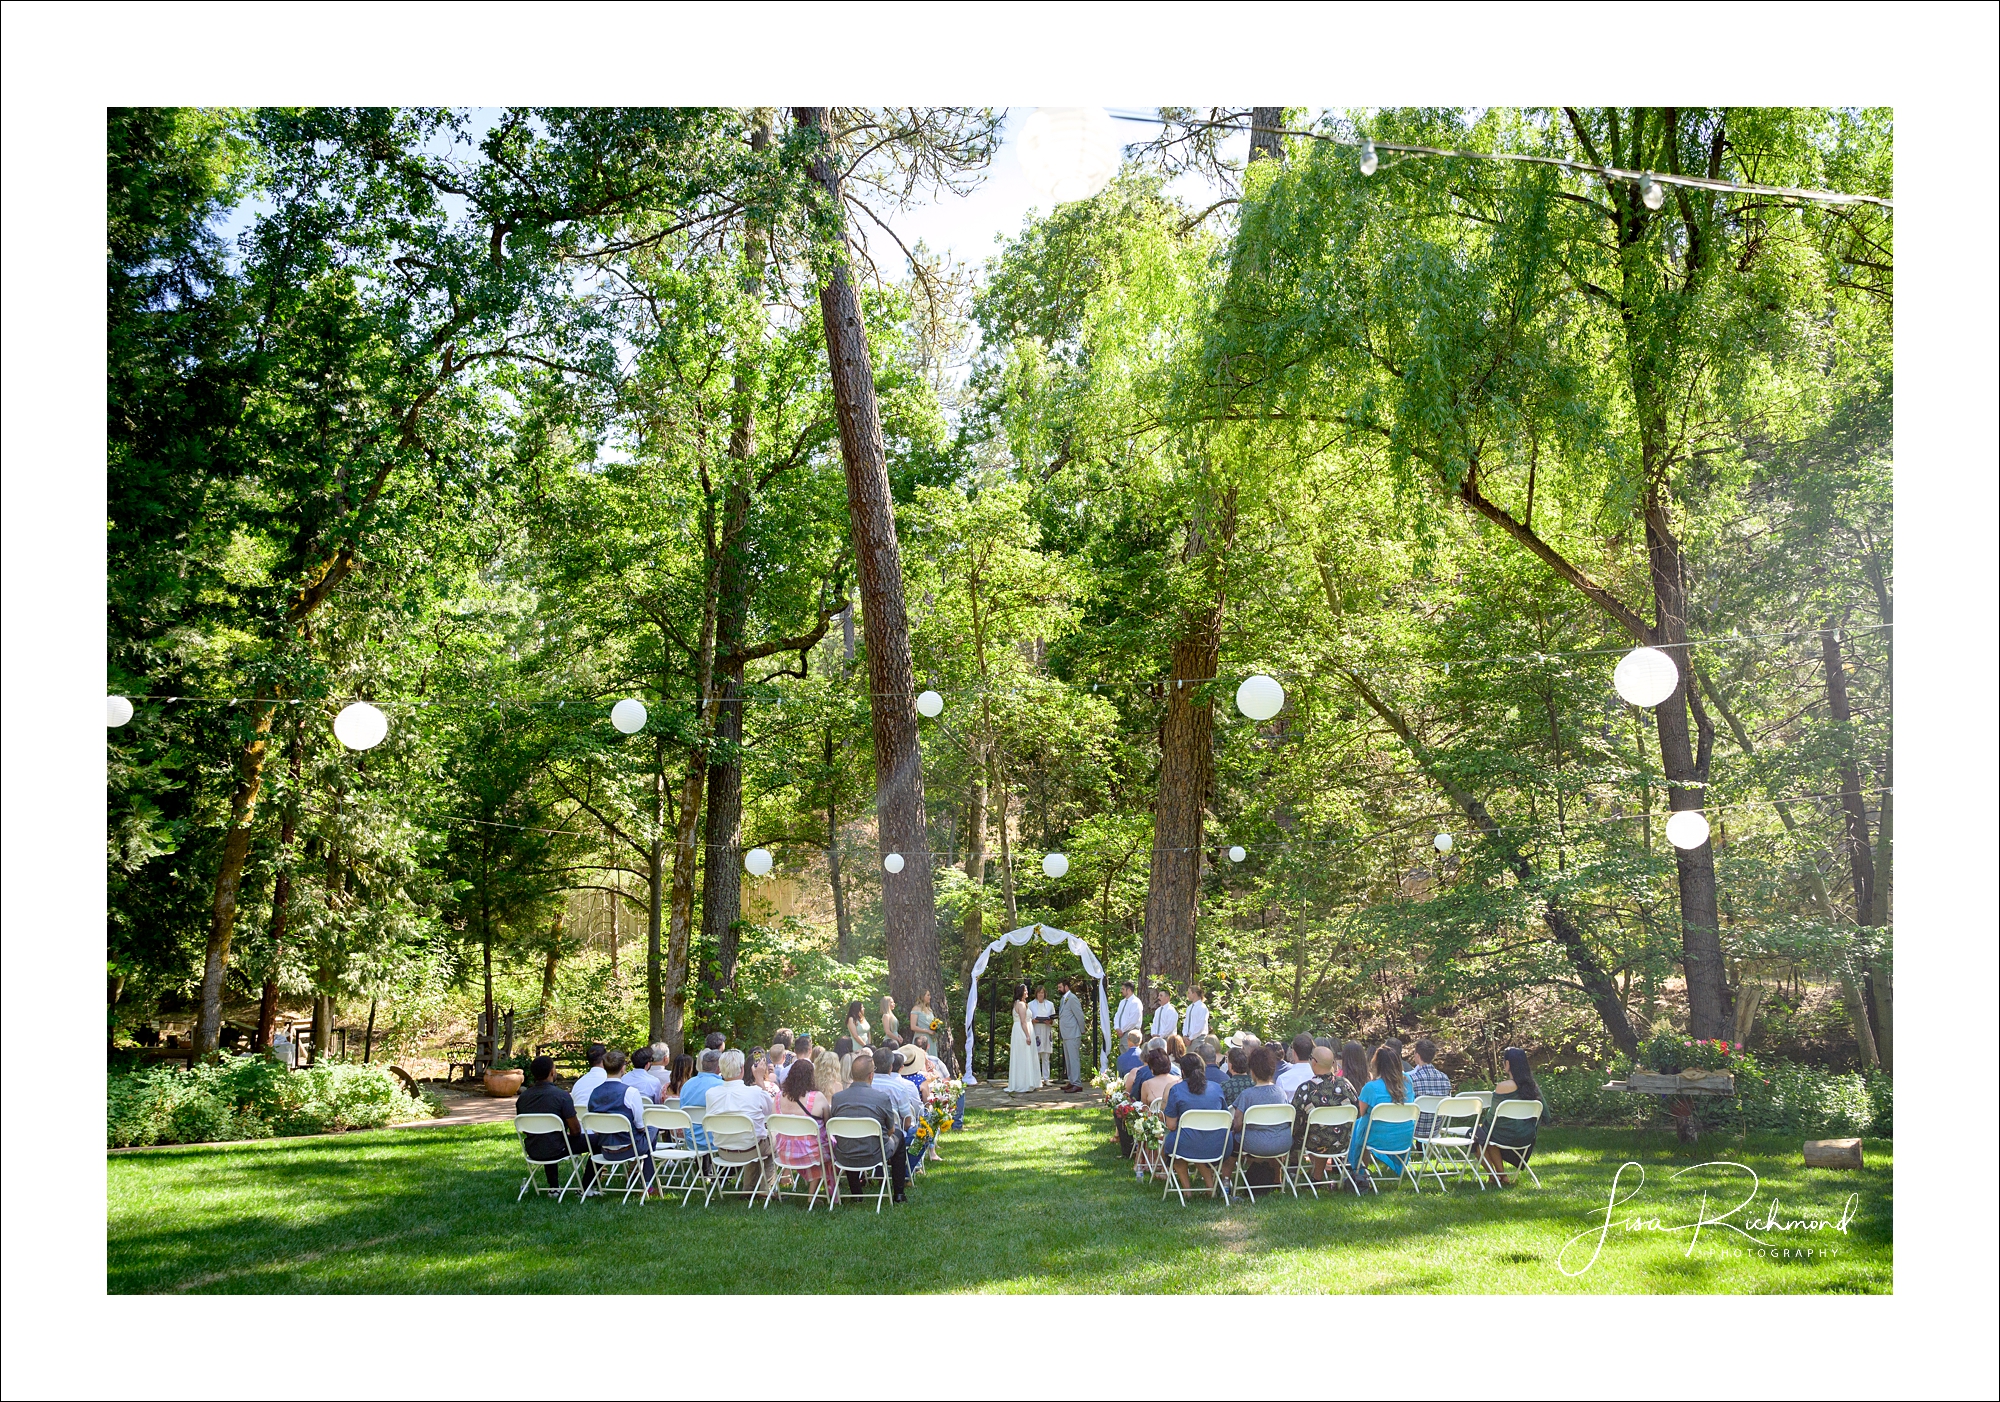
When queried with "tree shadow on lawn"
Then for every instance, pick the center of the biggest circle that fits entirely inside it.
(1032, 1200)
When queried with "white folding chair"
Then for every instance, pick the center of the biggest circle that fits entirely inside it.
(1264, 1117)
(1529, 1110)
(728, 1131)
(1381, 1117)
(1328, 1117)
(858, 1129)
(785, 1164)
(1426, 1105)
(525, 1125)
(676, 1163)
(1198, 1122)
(1449, 1145)
(609, 1169)
(1147, 1159)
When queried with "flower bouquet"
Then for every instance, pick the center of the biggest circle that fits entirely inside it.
(1148, 1133)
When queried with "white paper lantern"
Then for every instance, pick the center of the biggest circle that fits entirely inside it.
(360, 726)
(757, 862)
(1687, 829)
(893, 863)
(1055, 866)
(1442, 842)
(1069, 153)
(1237, 854)
(629, 716)
(1645, 676)
(117, 710)
(1260, 697)
(931, 704)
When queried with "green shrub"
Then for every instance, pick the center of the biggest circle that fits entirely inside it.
(251, 1097)
(1784, 1096)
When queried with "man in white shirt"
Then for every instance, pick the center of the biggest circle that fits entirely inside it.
(1299, 1066)
(1197, 1016)
(1166, 1022)
(1131, 1013)
(1041, 1017)
(738, 1096)
(589, 1080)
(640, 1077)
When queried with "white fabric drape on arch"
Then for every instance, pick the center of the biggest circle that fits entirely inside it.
(1049, 935)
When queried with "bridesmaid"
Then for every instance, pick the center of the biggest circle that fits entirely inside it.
(888, 1017)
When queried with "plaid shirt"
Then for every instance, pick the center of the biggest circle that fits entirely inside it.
(1426, 1079)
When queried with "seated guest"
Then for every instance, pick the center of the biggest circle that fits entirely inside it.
(1159, 1077)
(1517, 1137)
(1264, 1139)
(661, 1065)
(1176, 1048)
(542, 1096)
(1192, 1090)
(714, 1042)
(802, 1047)
(843, 1047)
(862, 1100)
(737, 1093)
(614, 1097)
(1354, 1064)
(1239, 1078)
(1131, 1057)
(1298, 1068)
(682, 1073)
(1386, 1088)
(695, 1093)
(1211, 1057)
(783, 1038)
(826, 1071)
(591, 1079)
(1426, 1079)
(799, 1096)
(639, 1075)
(909, 1104)
(778, 1057)
(1327, 1087)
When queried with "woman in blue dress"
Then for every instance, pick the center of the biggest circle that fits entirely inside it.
(1387, 1088)
(1194, 1091)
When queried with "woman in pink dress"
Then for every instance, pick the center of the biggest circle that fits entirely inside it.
(806, 1153)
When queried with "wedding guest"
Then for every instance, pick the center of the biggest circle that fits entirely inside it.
(640, 1076)
(1130, 1015)
(909, 1104)
(1192, 1090)
(802, 1096)
(738, 1092)
(1196, 1024)
(715, 1042)
(863, 1100)
(1387, 1087)
(1327, 1087)
(614, 1097)
(1145, 1072)
(1354, 1063)
(1264, 1139)
(1160, 1078)
(1239, 1078)
(1426, 1079)
(695, 1093)
(1516, 1137)
(680, 1075)
(1298, 1068)
(592, 1078)
(542, 1096)
(827, 1073)
(1177, 1048)
(1131, 1056)
(843, 1047)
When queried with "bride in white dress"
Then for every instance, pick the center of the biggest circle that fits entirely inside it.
(1024, 1067)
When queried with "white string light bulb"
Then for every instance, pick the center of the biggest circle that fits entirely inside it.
(1687, 829)
(117, 710)
(757, 861)
(1055, 866)
(930, 704)
(1645, 676)
(893, 863)
(1652, 193)
(629, 716)
(1069, 153)
(1369, 160)
(360, 726)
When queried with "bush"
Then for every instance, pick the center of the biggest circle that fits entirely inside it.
(1785, 1097)
(251, 1097)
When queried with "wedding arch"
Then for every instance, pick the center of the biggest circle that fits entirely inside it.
(1048, 934)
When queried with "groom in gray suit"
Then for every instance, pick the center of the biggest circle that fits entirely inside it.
(1069, 1020)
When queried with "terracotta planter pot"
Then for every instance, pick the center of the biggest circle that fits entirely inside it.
(502, 1083)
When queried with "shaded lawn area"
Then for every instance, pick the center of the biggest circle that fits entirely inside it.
(1033, 1199)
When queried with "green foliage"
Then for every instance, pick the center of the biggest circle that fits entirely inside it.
(251, 1098)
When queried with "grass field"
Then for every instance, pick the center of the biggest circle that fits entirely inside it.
(1032, 1200)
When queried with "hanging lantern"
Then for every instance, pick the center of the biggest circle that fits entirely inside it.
(1687, 829)
(1369, 160)
(1237, 854)
(117, 710)
(1645, 676)
(1069, 153)
(1260, 697)
(930, 704)
(1055, 866)
(629, 716)
(360, 726)
(1652, 193)
(757, 861)
(1442, 842)
(893, 863)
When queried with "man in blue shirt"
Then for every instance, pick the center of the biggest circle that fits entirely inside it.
(695, 1092)
(1130, 1057)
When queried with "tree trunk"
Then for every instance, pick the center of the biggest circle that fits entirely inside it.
(656, 997)
(368, 1037)
(722, 858)
(1187, 771)
(229, 882)
(909, 906)
(281, 898)
(1264, 139)
(975, 867)
(1006, 846)
(1870, 992)
(322, 1033)
(548, 984)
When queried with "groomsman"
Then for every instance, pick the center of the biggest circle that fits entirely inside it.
(1197, 1015)
(1070, 1022)
(1166, 1022)
(1131, 1013)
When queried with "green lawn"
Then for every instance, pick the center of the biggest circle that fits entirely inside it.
(1034, 1199)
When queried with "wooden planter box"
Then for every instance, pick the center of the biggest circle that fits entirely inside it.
(1686, 1083)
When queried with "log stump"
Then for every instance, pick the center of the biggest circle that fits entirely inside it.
(1833, 1153)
